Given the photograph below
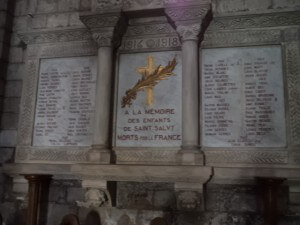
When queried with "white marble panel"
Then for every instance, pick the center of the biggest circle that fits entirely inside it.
(65, 102)
(243, 97)
(143, 124)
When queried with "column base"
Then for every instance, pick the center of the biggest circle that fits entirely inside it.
(190, 155)
(99, 154)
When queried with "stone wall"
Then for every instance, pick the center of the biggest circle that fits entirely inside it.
(137, 203)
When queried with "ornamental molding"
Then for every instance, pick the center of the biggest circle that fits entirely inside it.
(247, 157)
(189, 32)
(233, 38)
(255, 21)
(55, 36)
(195, 13)
(55, 154)
(293, 82)
(29, 89)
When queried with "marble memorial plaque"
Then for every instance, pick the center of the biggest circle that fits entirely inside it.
(152, 118)
(243, 97)
(65, 102)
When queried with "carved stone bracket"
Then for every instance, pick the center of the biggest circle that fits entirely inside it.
(189, 196)
(94, 198)
(97, 194)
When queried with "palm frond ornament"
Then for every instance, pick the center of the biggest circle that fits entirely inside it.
(149, 82)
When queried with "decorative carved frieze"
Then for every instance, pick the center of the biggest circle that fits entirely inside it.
(195, 13)
(233, 38)
(146, 156)
(62, 154)
(55, 36)
(189, 32)
(71, 49)
(255, 21)
(251, 156)
(293, 80)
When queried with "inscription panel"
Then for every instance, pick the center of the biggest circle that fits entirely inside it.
(153, 116)
(243, 97)
(65, 102)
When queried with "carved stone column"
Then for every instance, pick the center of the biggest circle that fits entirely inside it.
(188, 22)
(105, 32)
(37, 199)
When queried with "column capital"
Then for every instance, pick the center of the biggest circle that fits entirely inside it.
(192, 13)
(189, 32)
(106, 28)
(103, 37)
(188, 19)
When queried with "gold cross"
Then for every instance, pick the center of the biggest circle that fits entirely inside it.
(145, 72)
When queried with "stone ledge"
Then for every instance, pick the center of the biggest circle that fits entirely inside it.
(141, 173)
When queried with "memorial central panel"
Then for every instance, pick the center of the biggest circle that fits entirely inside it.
(65, 102)
(149, 100)
(243, 97)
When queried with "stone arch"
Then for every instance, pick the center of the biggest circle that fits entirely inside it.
(69, 219)
(158, 221)
(92, 218)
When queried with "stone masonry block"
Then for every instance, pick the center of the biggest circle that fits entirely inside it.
(15, 40)
(9, 121)
(11, 105)
(13, 88)
(8, 138)
(75, 194)
(46, 6)
(3, 4)
(20, 24)
(68, 5)
(15, 71)
(75, 21)
(286, 3)
(57, 212)
(16, 55)
(57, 20)
(85, 5)
(20, 8)
(231, 6)
(6, 154)
(38, 21)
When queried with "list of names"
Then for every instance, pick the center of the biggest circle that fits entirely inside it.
(65, 102)
(243, 101)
